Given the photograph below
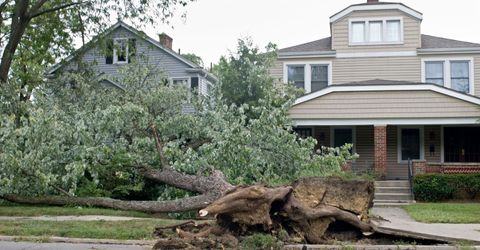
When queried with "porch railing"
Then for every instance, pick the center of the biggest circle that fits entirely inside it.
(410, 177)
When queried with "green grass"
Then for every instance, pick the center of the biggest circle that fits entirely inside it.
(445, 212)
(120, 230)
(21, 210)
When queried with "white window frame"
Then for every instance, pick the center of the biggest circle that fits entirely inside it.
(399, 142)
(354, 136)
(447, 82)
(367, 30)
(115, 56)
(308, 71)
(181, 79)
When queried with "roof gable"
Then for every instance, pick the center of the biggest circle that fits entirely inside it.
(376, 6)
(108, 32)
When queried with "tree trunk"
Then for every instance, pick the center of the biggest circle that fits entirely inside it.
(19, 23)
(181, 205)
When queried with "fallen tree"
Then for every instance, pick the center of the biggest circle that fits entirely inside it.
(304, 210)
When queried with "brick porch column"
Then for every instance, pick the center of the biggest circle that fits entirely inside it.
(380, 153)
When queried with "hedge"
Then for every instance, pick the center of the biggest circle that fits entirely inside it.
(438, 187)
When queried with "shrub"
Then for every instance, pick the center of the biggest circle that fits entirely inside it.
(261, 241)
(437, 187)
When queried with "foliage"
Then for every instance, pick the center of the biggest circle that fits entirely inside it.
(261, 241)
(437, 187)
(79, 133)
(35, 34)
(244, 74)
(194, 58)
(445, 212)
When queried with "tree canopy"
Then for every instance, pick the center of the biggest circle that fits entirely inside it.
(76, 132)
(244, 74)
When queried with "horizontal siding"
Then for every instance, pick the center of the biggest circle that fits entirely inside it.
(411, 33)
(391, 104)
(432, 137)
(364, 147)
(148, 53)
(348, 70)
(395, 170)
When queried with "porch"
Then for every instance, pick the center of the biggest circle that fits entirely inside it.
(385, 149)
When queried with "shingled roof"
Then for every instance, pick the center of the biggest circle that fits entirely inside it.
(434, 42)
(324, 44)
(428, 42)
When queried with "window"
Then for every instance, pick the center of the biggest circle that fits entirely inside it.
(194, 82)
(451, 73)
(319, 79)
(460, 76)
(120, 50)
(303, 132)
(310, 75)
(342, 136)
(296, 75)
(180, 81)
(358, 32)
(462, 144)
(393, 32)
(411, 144)
(434, 72)
(376, 31)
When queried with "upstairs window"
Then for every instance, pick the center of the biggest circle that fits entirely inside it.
(319, 79)
(376, 31)
(120, 50)
(460, 75)
(451, 73)
(310, 76)
(296, 75)
(434, 72)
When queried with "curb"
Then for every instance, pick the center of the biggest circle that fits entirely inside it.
(55, 239)
(374, 247)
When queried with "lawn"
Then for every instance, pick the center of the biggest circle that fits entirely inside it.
(8, 209)
(120, 230)
(445, 212)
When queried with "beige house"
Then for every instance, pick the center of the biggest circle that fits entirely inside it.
(393, 92)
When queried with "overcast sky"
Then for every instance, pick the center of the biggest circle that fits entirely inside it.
(212, 27)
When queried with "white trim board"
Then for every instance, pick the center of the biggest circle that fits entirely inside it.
(399, 142)
(349, 88)
(399, 7)
(377, 54)
(383, 122)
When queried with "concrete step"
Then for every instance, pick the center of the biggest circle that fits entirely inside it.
(375, 201)
(391, 204)
(392, 189)
(392, 184)
(393, 196)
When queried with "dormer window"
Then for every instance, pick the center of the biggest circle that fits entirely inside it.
(376, 31)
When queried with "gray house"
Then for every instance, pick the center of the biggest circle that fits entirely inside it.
(121, 45)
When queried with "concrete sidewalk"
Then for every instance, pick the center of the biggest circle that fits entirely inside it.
(72, 218)
(399, 222)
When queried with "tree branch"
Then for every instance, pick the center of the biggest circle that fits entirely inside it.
(159, 145)
(56, 8)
